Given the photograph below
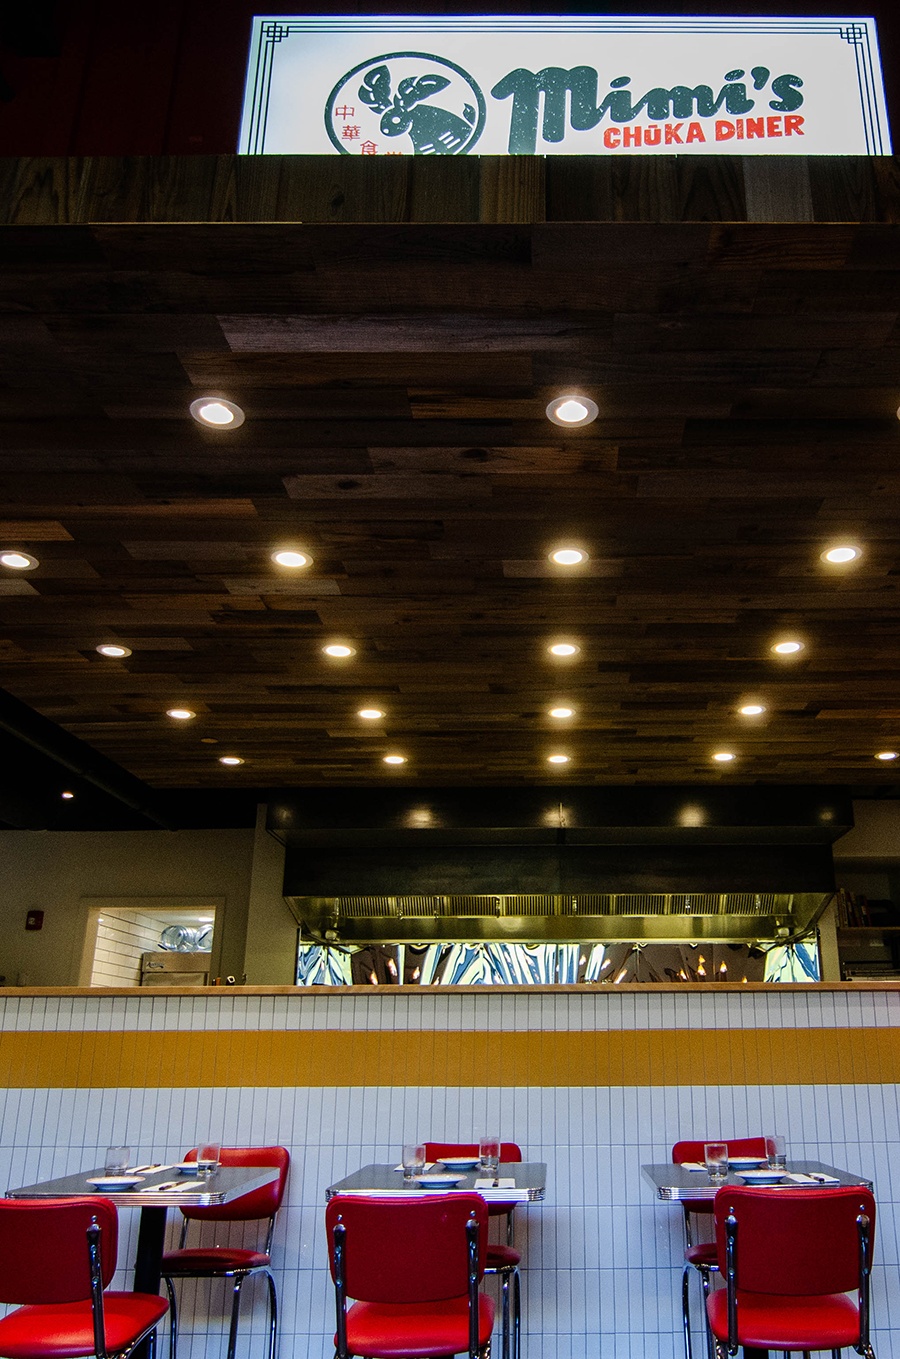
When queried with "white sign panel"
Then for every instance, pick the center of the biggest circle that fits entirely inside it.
(574, 85)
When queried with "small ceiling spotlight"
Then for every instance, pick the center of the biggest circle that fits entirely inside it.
(887, 755)
(568, 556)
(370, 714)
(114, 650)
(18, 561)
(561, 712)
(752, 710)
(563, 649)
(724, 756)
(395, 759)
(558, 759)
(291, 558)
(67, 796)
(572, 411)
(216, 412)
(841, 554)
(230, 759)
(789, 647)
(338, 649)
(180, 714)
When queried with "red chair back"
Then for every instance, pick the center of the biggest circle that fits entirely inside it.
(737, 1146)
(435, 1150)
(799, 1243)
(407, 1249)
(44, 1249)
(258, 1203)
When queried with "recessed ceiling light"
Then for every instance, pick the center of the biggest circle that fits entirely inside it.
(568, 556)
(558, 759)
(230, 759)
(113, 649)
(563, 649)
(572, 411)
(338, 649)
(67, 795)
(724, 756)
(752, 709)
(370, 714)
(180, 714)
(216, 412)
(395, 759)
(18, 561)
(289, 557)
(789, 647)
(841, 554)
(886, 755)
(562, 712)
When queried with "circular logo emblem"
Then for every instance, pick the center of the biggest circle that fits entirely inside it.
(405, 104)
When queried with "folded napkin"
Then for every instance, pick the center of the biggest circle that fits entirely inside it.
(506, 1182)
(429, 1165)
(692, 1165)
(814, 1178)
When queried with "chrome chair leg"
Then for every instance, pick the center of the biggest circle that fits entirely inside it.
(273, 1315)
(235, 1309)
(504, 1294)
(686, 1310)
(517, 1317)
(173, 1319)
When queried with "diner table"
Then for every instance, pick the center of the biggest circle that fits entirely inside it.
(529, 1180)
(676, 1182)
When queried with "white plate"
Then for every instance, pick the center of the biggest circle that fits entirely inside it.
(429, 1181)
(460, 1162)
(747, 1161)
(762, 1176)
(116, 1181)
(186, 1167)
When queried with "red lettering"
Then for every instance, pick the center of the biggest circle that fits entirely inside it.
(695, 133)
(632, 136)
(773, 125)
(756, 127)
(793, 125)
(672, 133)
(652, 136)
(740, 129)
(611, 138)
(724, 130)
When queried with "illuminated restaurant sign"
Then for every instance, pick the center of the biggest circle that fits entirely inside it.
(573, 85)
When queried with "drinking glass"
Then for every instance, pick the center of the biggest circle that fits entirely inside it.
(489, 1154)
(716, 1156)
(776, 1152)
(117, 1160)
(413, 1160)
(208, 1156)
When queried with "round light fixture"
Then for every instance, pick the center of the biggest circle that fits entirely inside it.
(230, 759)
(216, 412)
(752, 710)
(18, 561)
(395, 759)
(370, 714)
(67, 796)
(558, 759)
(114, 650)
(572, 411)
(291, 558)
(886, 755)
(563, 649)
(789, 647)
(840, 555)
(180, 714)
(339, 649)
(568, 556)
(561, 712)
(724, 756)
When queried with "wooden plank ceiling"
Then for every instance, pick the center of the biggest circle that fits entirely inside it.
(394, 381)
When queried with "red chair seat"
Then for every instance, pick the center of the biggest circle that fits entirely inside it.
(212, 1260)
(772, 1321)
(66, 1329)
(408, 1330)
(502, 1257)
(702, 1254)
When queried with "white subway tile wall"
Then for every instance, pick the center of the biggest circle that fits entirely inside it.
(122, 936)
(602, 1258)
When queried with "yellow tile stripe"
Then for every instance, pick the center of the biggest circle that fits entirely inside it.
(339, 1058)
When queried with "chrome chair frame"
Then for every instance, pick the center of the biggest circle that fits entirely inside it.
(97, 1310)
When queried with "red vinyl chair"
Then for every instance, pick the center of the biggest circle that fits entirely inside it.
(230, 1262)
(701, 1255)
(413, 1264)
(57, 1258)
(502, 1260)
(789, 1259)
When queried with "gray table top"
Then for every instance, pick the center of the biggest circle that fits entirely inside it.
(674, 1182)
(184, 1191)
(529, 1176)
